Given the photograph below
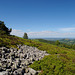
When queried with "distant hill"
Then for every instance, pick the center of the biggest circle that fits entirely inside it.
(53, 39)
(68, 41)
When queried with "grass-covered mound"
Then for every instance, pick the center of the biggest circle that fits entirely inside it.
(55, 65)
(13, 41)
(60, 62)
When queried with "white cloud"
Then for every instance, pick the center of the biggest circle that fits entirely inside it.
(67, 29)
(50, 34)
(43, 34)
(17, 32)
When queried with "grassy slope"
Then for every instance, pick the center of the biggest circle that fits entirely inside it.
(60, 62)
(45, 41)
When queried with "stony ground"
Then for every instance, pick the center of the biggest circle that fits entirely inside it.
(16, 61)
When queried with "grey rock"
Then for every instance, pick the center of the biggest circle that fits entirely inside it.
(4, 73)
(32, 71)
(8, 70)
(16, 62)
(26, 70)
(27, 73)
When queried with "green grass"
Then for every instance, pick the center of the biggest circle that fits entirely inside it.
(60, 62)
(55, 65)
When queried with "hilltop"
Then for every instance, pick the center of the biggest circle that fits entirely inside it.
(61, 61)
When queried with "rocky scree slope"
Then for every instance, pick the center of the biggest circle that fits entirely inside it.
(16, 61)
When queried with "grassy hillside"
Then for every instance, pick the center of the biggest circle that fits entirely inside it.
(61, 61)
(59, 43)
(45, 41)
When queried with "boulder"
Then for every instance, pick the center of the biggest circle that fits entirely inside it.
(3, 73)
(32, 71)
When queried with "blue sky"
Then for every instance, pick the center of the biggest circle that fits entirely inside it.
(39, 18)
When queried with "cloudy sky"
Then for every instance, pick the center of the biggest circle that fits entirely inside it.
(63, 33)
(39, 18)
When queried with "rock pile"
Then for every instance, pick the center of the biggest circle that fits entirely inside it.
(15, 61)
